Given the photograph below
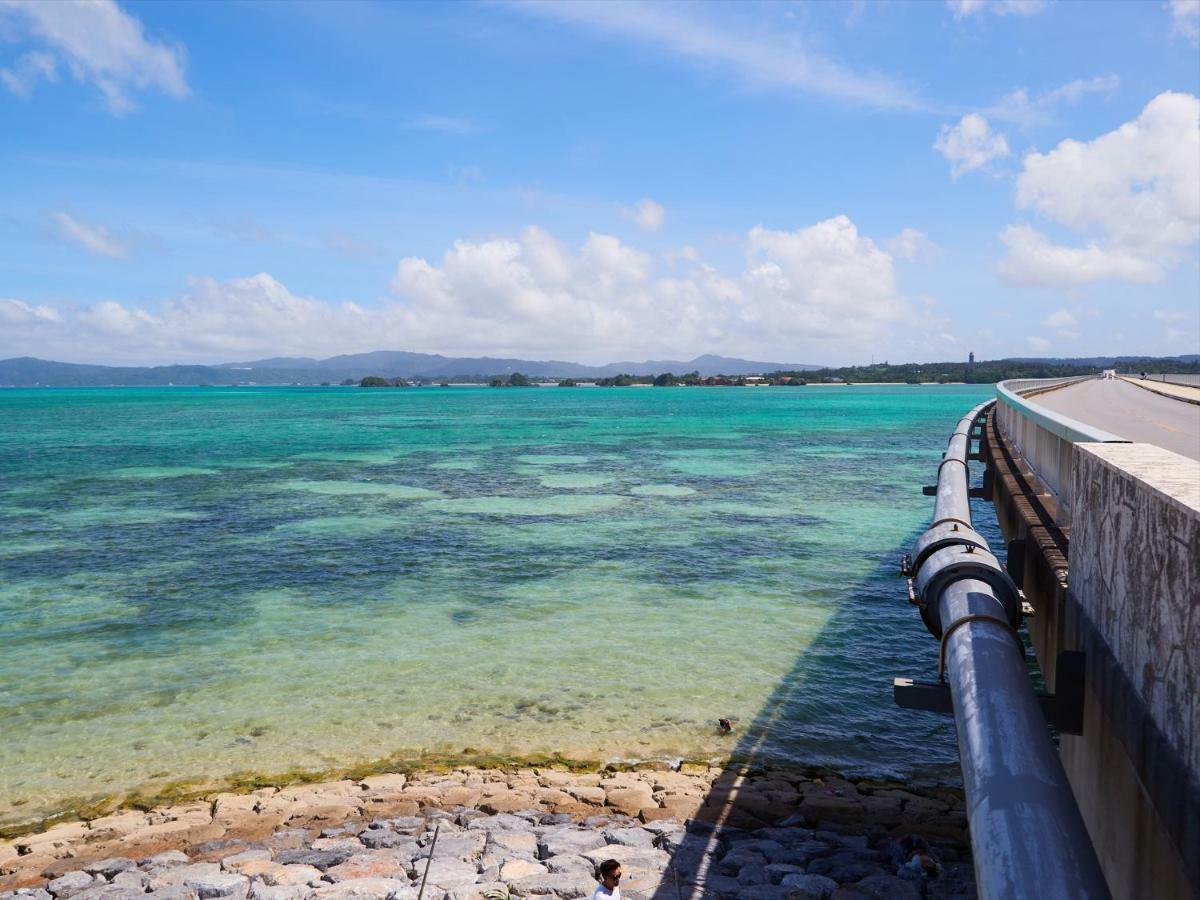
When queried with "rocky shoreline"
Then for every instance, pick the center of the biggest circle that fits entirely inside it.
(690, 832)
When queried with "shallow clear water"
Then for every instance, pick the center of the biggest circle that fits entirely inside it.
(198, 582)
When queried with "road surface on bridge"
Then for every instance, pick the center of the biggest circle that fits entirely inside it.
(1129, 411)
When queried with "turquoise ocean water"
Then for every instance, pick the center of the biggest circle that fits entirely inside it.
(201, 582)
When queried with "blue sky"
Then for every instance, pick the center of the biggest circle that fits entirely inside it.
(799, 182)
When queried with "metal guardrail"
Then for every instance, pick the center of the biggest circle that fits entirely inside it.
(1182, 379)
(1044, 437)
(1027, 835)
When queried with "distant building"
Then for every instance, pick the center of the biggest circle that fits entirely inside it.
(971, 359)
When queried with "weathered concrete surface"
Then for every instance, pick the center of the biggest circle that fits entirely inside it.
(1133, 606)
(1135, 587)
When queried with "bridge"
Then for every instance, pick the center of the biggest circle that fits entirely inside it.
(1096, 487)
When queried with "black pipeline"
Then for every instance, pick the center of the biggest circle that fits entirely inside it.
(1027, 836)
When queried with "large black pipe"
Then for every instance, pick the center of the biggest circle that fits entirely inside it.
(1027, 836)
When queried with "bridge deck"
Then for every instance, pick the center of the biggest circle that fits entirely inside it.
(1131, 412)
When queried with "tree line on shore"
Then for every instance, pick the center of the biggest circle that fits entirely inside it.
(983, 372)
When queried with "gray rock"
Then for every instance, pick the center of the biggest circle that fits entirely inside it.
(762, 892)
(786, 836)
(172, 892)
(555, 819)
(733, 861)
(382, 838)
(110, 867)
(808, 887)
(634, 857)
(843, 868)
(888, 887)
(570, 864)
(108, 892)
(366, 889)
(70, 884)
(720, 886)
(133, 880)
(223, 884)
(260, 891)
(25, 894)
(663, 826)
(508, 843)
(629, 837)
(504, 821)
(287, 839)
(466, 846)
(753, 874)
(167, 860)
(448, 873)
(801, 854)
(562, 885)
(568, 840)
(320, 859)
(401, 823)
(777, 871)
(179, 875)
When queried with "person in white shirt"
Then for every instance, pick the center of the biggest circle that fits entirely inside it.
(609, 887)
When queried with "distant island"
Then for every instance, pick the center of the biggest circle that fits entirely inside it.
(403, 369)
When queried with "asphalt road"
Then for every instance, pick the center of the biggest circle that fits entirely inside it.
(1131, 412)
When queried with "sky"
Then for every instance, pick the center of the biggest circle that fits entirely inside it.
(823, 183)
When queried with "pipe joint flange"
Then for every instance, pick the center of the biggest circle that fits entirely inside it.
(944, 534)
(955, 562)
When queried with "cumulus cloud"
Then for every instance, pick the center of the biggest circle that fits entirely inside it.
(93, 238)
(970, 145)
(646, 214)
(820, 288)
(97, 43)
(1185, 19)
(1060, 318)
(912, 244)
(1135, 189)
(1034, 260)
(964, 9)
(1038, 343)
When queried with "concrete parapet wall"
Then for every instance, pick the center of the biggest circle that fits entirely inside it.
(1133, 605)
(1121, 582)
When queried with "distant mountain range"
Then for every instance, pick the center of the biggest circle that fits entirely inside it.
(29, 372)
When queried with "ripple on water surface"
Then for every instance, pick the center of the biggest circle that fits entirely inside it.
(290, 613)
(363, 488)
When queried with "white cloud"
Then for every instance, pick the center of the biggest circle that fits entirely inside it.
(1018, 108)
(963, 9)
(93, 238)
(1034, 260)
(970, 145)
(27, 71)
(18, 312)
(820, 289)
(1172, 315)
(1137, 189)
(912, 244)
(1060, 318)
(98, 43)
(1038, 343)
(767, 56)
(646, 214)
(1185, 19)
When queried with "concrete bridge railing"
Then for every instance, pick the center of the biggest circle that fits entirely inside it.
(1045, 439)
(1116, 577)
